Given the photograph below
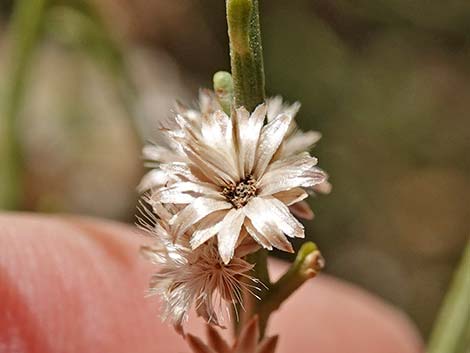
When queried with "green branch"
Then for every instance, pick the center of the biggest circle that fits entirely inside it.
(24, 32)
(307, 265)
(451, 332)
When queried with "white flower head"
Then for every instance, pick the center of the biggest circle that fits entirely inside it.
(235, 180)
(189, 278)
(295, 141)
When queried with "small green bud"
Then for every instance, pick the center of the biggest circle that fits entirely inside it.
(223, 88)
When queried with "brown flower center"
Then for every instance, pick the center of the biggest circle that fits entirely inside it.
(239, 194)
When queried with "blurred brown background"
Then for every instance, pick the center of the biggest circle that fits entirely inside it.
(387, 83)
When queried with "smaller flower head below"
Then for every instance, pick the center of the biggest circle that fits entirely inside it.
(189, 278)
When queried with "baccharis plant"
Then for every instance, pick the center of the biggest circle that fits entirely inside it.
(225, 189)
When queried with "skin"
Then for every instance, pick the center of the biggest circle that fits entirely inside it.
(72, 284)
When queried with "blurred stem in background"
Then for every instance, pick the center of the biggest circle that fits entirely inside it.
(451, 333)
(78, 25)
(75, 23)
(25, 28)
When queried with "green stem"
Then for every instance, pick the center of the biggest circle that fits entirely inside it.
(25, 28)
(81, 27)
(248, 89)
(306, 265)
(246, 59)
(451, 332)
(246, 52)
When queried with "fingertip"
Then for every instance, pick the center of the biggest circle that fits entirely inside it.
(71, 284)
(329, 315)
(76, 285)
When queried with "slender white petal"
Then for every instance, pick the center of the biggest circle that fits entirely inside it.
(208, 102)
(323, 188)
(159, 154)
(264, 222)
(211, 165)
(180, 169)
(292, 196)
(195, 211)
(257, 236)
(276, 106)
(171, 195)
(248, 134)
(300, 141)
(152, 179)
(282, 217)
(301, 161)
(207, 228)
(229, 233)
(289, 182)
(216, 130)
(270, 139)
(295, 171)
(206, 189)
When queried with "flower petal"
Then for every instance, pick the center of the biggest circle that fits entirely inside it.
(210, 163)
(257, 236)
(283, 218)
(180, 169)
(184, 192)
(292, 172)
(159, 154)
(271, 138)
(276, 106)
(229, 233)
(248, 130)
(323, 188)
(207, 228)
(302, 210)
(152, 179)
(292, 196)
(260, 214)
(300, 141)
(196, 211)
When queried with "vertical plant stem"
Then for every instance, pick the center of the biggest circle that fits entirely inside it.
(451, 332)
(25, 28)
(246, 53)
(246, 58)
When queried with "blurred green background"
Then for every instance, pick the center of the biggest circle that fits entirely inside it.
(387, 82)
